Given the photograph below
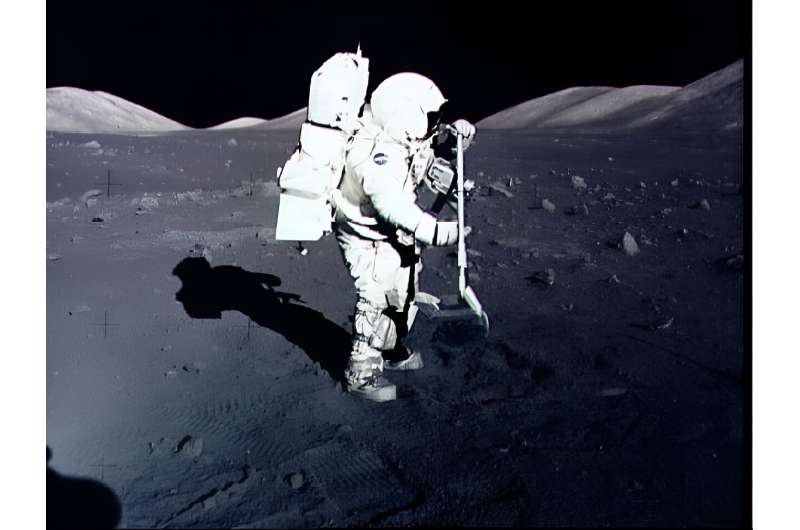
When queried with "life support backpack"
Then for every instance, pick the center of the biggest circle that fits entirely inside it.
(314, 170)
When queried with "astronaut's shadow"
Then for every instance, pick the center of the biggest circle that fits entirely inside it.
(74, 502)
(208, 291)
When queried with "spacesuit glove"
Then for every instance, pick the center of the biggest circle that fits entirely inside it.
(465, 128)
(446, 233)
(436, 233)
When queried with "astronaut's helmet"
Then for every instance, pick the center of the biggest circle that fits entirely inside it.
(408, 106)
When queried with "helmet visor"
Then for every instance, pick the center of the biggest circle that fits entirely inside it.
(434, 119)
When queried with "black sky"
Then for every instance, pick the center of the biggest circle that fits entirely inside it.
(202, 63)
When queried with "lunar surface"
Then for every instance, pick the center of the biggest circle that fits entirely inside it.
(194, 363)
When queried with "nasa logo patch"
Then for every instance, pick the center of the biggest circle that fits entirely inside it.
(380, 159)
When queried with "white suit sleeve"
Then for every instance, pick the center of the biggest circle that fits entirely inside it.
(383, 174)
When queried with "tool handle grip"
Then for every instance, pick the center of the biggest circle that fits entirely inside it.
(462, 253)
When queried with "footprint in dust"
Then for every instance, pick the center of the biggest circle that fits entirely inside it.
(457, 335)
(539, 370)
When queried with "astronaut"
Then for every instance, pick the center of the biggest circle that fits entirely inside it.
(380, 228)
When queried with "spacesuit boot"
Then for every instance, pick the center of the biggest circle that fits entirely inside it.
(374, 388)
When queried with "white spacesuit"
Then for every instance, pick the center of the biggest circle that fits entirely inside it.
(379, 226)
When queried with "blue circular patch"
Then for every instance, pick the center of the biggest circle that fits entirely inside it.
(380, 159)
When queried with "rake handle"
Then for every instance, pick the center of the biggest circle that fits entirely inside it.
(462, 247)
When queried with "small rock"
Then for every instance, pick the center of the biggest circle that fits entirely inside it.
(548, 205)
(612, 392)
(609, 196)
(735, 262)
(567, 307)
(54, 257)
(161, 447)
(89, 195)
(704, 205)
(629, 245)
(296, 480)
(666, 323)
(194, 195)
(189, 447)
(97, 219)
(581, 209)
(82, 308)
(149, 203)
(613, 279)
(674, 183)
(654, 326)
(344, 429)
(60, 202)
(232, 142)
(500, 188)
(578, 183)
(546, 277)
(511, 242)
(171, 373)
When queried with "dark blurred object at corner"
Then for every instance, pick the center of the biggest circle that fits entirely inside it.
(79, 503)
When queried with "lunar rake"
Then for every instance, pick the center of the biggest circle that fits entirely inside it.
(464, 306)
